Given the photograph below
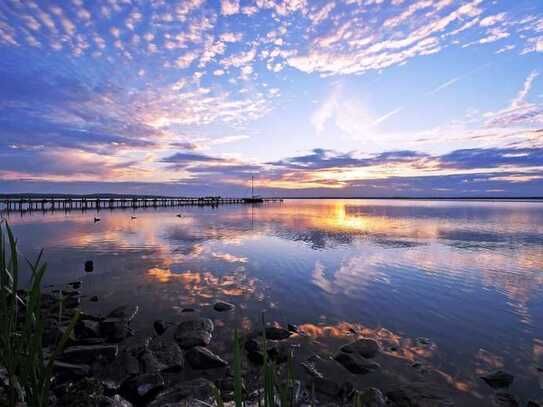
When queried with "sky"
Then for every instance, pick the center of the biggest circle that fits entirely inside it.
(311, 98)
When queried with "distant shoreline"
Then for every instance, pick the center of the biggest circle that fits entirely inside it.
(390, 198)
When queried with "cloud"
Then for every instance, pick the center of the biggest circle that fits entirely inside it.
(229, 7)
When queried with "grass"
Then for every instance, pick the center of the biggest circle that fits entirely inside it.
(29, 366)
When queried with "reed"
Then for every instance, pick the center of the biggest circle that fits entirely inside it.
(29, 366)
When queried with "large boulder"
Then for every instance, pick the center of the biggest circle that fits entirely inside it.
(194, 332)
(168, 353)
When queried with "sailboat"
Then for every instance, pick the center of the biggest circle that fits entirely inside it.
(254, 198)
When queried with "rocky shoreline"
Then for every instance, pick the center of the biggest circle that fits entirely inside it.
(105, 363)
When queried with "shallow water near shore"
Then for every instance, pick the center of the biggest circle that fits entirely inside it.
(455, 285)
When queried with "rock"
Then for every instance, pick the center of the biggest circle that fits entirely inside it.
(222, 306)
(75, 284)
(276, 333)
(84, 393)
(423, 341)
(168, 354)
(115, 401)
(227, 387)
(371, 397)
(292, 328)
(160, 327)
(200, 389)
(89, 353)
(125, 365)
(87, 329)
(194, 332)
(252, 345)
(365, 347)
(94, 298)
(279, 354)
(150, 363)
(326, 386)
(310, 368)
(188, 310)
(202, 358)
(114, 329)
(356, 364)
(498, 379)
(420, 395)
(124, 312)
(532, 403)
(89, 266)
(142, 388)
(69, 371)
(256, 357)
(505, 400)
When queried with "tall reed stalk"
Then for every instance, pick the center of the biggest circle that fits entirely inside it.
(29, 366)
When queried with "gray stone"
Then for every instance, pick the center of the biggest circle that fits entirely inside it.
(200, 389)
(222, 306)
(114, 329)
(326, 386)
(256, 357)
(365, 347)
(150, 363)
(167, 353)
(252, 345)
(498, 379)
(194, 332)
(68, 371)
(420, 395)
(310, 368)
(202, 358)
(87, 329)
(355, 363)
(89, 353)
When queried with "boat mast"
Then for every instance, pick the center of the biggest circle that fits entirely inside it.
(252, 186)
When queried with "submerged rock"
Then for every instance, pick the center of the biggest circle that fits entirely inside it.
(202, 358)
(276, 333)
(355, 363)
(292, 328)
(222, 306)
(326, 386)
(89, 266)
(418, 394)
(114, 329)
(194, 332)
(498, 379)
(365, 347)
(252, 345)
(502, 399)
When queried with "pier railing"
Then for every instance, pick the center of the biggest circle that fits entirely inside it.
(98, 203)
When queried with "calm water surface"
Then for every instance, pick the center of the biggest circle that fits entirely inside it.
(466, 275)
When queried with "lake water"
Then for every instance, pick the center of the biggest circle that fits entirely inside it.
(468, 276)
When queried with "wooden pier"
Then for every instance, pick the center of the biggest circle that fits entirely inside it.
(27, 204)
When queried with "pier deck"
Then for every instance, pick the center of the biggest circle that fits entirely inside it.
(98, 203)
